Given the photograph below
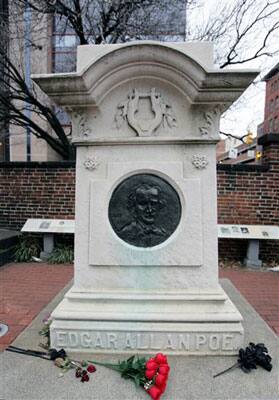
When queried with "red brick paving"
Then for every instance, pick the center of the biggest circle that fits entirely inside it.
(27, 288)
(261, 290)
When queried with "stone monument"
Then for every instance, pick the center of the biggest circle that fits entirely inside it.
(145, 121)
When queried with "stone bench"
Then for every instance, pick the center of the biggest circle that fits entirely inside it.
(48, 227)
(252, 233)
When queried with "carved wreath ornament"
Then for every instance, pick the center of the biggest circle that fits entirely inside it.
(127, 110)
(200, 162)
(91, 163)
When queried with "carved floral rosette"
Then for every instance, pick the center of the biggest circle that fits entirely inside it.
(91, 163)
(199, 161)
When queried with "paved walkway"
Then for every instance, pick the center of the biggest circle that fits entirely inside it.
(261, 290)
(25, 289)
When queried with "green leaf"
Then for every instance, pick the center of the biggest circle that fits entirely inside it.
(131, 359)
(62, 254)
(137, 380)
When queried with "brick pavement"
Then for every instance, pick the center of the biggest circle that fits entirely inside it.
(261, 290)
(26, 288)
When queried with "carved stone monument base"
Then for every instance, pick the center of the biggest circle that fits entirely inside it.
(145, 120)
(174, 322)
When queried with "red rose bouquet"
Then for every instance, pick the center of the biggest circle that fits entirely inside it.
(151, 374)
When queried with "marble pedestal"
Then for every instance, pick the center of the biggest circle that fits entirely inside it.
(146, 112)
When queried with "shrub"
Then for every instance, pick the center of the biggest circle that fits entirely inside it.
(62, 255)
(28, 246)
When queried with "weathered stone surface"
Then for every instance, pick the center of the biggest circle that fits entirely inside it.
(145, 121)
(191, 377)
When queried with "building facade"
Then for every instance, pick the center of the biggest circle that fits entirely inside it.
(271, 110)
(250, 151)
(47, 44)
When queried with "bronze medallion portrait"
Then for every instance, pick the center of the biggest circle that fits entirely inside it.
(144, 210)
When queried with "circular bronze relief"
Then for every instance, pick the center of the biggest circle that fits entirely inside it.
(144, 210)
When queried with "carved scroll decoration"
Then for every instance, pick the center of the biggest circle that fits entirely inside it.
(210, 118)
(81, 120)
(163, 113)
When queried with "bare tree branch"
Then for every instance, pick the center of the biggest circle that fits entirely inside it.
(17, 97)
(233, 28)
(241, 138)
(242, 31)
(233, 57)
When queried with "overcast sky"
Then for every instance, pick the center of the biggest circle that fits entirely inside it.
(248, 112)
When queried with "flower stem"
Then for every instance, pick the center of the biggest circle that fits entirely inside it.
(226, 370)
(115, 367)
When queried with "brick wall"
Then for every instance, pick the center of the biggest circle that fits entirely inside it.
(36, 190)
(247, 194)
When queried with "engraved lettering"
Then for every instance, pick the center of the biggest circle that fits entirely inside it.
(111, 340)
(181, 342)
(128, 341)
(73, 339)
(200, 340)
(170, 344)
(227, 342)
(184, 342)
(98, 342)
(140, 342)
(214, 342)
(61, 338)
(152, 343)
(85, 339)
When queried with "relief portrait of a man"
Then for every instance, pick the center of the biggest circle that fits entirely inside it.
(144, 204)
(144, 210)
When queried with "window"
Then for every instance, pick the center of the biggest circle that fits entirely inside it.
(64, 47)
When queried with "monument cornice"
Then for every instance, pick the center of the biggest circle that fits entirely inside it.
(118, 141)
(157, 61)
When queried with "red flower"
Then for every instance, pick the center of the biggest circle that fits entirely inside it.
(154, 392)
(160, 380)
(85, 378)
(161, 359)
(78, 372)
(149, 373)
(163, 387)
(157, 370)
(151, 364)
(164, 369)
(91, 368)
